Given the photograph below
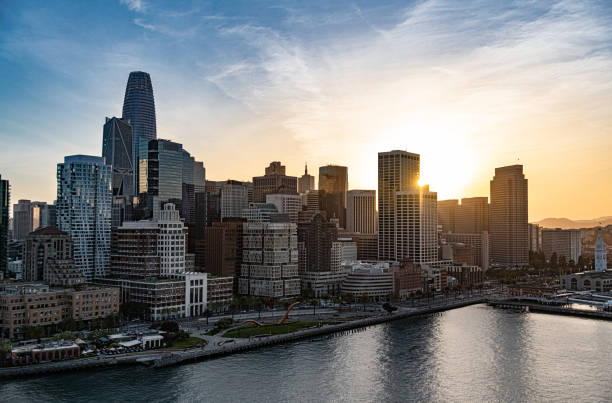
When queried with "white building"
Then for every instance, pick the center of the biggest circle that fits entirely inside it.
(270, 260)
(286, 204)
(601, 254)
(259, 212)
(361, 211)
(84, 203)
(374, 280)
(195, 293)
(171, 241)
(234, 199)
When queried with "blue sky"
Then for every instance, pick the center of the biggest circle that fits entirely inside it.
(470, 85)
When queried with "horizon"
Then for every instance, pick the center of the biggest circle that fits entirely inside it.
(320, 83)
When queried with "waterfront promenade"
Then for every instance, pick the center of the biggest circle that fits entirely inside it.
(217, 346)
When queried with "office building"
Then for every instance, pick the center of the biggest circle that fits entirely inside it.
(367, 244)
(224, 248)
(290, 205)
(234, 199)
(274, 181)
(416, 233)
(397, 171)
(601, 253)
(368, 282)
(139, 113)
(269, 260)
(37, 304)
(118, 149)
(472, 216)
(49, 257)
(43, 215)
(447, 211)
(407, 279)
(306, 182)
(259, 212)
(333, 186)
(4, 223)
(161, 173)
(84, 200)
(478, 245)
(508, 221)
(134, 250)
(220, 290)
(22, 219)
(310, 201)
(535, 237)
(361, 211)
(567, 243)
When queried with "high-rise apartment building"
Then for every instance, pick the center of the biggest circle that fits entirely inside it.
(269, 260)
(472, 216)
(333, 186)
(306, 182)
(171, 241)
(22, 219)
(416, 226)
(361, 211)
(134, 250)
(274, 181)
(563, 242)
(119, 151)
(397, 171)
(286, 204)
(4, 223)
(234, 199)
(84, 200)
(508, 220)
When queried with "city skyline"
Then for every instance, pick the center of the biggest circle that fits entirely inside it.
(292, 89)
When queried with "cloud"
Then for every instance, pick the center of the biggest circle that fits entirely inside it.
(141, 23)
(134, 5)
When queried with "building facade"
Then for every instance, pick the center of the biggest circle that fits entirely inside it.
(479, 244)
(368, 281)
(306, 182)
(269, 260)
(397, 171)
(234, 199)
(274, 181)
(22, 219)
(416, 226)
(333, 187)
(290, 205)
(118, 149)
(508, 221)
(84, 203)
(567, 243)
(224, 248)
(361, 211)
(535, 237)
(4, 223)
(601, 253)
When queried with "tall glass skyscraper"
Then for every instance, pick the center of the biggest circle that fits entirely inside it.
(4, 218)
(139, 109)
(84, 201)
(118, 149)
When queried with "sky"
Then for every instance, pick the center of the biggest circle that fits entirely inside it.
(469, 85)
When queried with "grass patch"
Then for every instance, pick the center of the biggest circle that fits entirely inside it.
(269, 329)
(190, 342)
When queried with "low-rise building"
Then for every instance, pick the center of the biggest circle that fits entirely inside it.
(373, 280)
(220, 290)
(52, 351)
(36, 304)
(588, 281)
(407, 278)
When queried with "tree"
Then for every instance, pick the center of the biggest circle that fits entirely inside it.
(233, 307)
(259, 306)
(349, 298)
(208, 314)
(553, 260)
(169, 326)
(315, 303)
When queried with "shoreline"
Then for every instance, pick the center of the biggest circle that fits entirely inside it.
(165, 358)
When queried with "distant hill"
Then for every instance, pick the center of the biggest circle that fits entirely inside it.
(566, 223)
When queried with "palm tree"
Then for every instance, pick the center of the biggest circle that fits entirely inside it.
(207, 313)
(315, 303)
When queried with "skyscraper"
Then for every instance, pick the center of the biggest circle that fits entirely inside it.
(447, 214)
(139, 111)
(508, 221)
(4, 222)
(562, 242)
(472, 216)
(397, 171)
(41, 215)
(161, 173)
(22, 219)
(118, 149)
(306, 182)
(361, 211)
(416, 223)
(234, 199)
(274, 181)
(333, 185)
(84, 201)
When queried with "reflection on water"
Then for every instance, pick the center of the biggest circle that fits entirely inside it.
(471, 354)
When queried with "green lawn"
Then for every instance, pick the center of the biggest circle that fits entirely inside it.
(269, 329)
(190, 342)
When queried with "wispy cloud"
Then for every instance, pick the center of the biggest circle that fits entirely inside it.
(134, 5)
